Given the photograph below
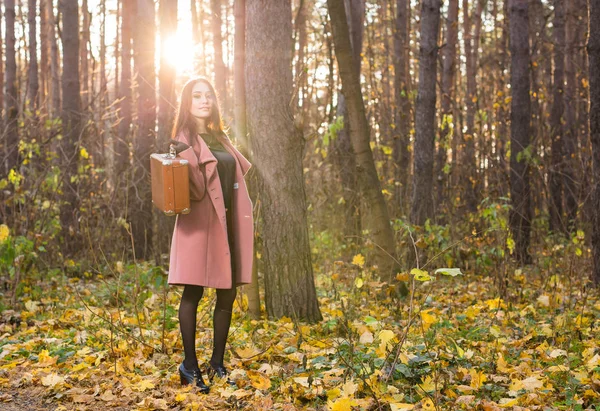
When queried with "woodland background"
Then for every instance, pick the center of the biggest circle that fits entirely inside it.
(388, 139)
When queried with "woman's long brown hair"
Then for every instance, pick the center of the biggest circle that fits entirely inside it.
(185, 122)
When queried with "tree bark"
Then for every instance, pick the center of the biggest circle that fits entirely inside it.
(469, 174)
(448, 121)
(422, 198)
(54, 95)
(220, 69)
(71, 122)
(83, 44)
(570, 181)
(377, 222)
(44, 55)
(121, 142)
(289, 282)
(11, 97)
(557, 119)
(343, 156)
(141, 196)
(593, 49)
(32, 75)
(520, 216)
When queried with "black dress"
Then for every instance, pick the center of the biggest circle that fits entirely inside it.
(226, 170)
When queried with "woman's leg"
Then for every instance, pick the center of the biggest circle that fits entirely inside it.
(221, 322)
(187, 323)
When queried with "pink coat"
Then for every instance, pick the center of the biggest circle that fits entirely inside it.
(199, 249)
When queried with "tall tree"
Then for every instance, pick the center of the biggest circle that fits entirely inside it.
(1, 81)
(447, 91)
(472, 30)
(220, 68)
(166, 79)
(32, 75)
(239, 116)
(121, 143)
(83, 45)
(520, 117)
(54, 95)
(289, 282)
(343, 155)
(570, 182)
(71, 120)
(422, 198)
(557, 118)
(402, 114)
(44, 55)
(593, 49)
(11, 96)
(377, 222)
(143, 41)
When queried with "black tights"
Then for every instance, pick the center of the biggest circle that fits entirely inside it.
(221, 321)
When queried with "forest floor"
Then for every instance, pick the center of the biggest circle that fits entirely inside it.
(95, 343)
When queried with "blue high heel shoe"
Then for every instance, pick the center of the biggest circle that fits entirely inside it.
(190, 377)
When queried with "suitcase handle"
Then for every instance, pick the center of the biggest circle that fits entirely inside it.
(172, 151)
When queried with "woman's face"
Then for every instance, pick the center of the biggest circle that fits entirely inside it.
(202, 101)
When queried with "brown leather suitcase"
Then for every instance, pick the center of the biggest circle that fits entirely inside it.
(170, 183)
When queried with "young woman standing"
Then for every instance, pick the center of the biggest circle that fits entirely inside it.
(212, 246)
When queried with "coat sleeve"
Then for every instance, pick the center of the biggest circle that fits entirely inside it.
(197, 180)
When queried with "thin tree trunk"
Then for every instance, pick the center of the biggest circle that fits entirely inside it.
(557, 119)
(32, 75)
(570, 181)
(220, 69)
(121, 143)
(55, 90)
(11, 101)
(448, 79)
(289, 282)
(143, 41)
(239, 105)
(166, 102)
(520, 216)
(71, 122)
(593, 49)
(402, 113)
(44, 55)
(1, 85)
(422, 198)
(83, 44)
(377, 222)
(472, 28)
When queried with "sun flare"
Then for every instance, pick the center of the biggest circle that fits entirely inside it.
(179, 51)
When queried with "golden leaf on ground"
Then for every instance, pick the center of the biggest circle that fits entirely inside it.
(52, 379)
(427, 404)
(108, 396)
(343, 404)
(400, 406)
(259, 380)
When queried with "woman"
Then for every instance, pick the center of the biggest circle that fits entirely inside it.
(212, 246)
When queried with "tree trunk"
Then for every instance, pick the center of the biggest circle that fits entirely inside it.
(377, 222)
(44, 55)
(343, 156)
(141, 196)
(54, 95)
(83, 44)
(593, 49)
(1, 82)
(121, 142)
(448, 122)
(520, 116)
(167, 100)
(220, 69)
(570, 181)
(557, 118)
(422, 199)
(32, 75)
(11, 100)
(289, 283)
(239, 105)
(71, 122)
(471, 43)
